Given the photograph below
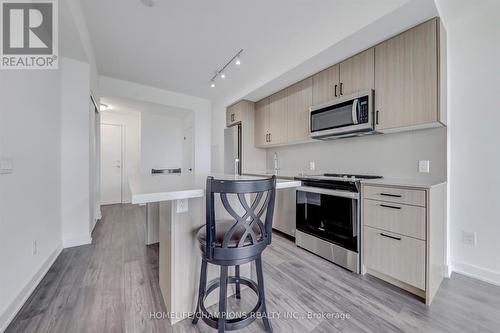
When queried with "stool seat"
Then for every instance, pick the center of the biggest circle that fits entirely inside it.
(222, 227)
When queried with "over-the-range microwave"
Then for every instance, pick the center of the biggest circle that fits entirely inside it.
(343, 117)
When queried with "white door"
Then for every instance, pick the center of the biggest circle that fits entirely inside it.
(187, 152)
(111, 164)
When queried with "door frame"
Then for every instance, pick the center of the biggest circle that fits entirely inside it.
(193, 164)
(122, 153)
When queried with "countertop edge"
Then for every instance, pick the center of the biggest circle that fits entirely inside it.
(403, 183)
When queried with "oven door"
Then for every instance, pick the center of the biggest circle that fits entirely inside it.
(330, 215)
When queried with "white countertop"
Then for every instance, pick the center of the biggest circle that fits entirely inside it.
(406, 182)
(156, 188)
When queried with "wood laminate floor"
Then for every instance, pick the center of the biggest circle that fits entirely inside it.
(112, 286)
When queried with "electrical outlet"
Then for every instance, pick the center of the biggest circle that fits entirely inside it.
(312, 165)
(182, 206)
(423, 166)
(34, 249)
(469, 238)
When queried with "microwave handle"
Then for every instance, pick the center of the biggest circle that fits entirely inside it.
(355, 111)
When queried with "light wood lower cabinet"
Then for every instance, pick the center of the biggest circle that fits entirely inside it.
(397, 256)
(402, 219)
(404, 236)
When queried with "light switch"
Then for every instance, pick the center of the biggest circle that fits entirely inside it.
(312, 165)
(423, 166)
(6, 165)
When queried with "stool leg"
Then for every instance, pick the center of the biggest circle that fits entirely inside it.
(201, 291)
(237, 273)
(222, 299)
(260, 282)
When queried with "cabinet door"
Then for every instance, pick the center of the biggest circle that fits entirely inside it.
(233, 114)
(278, 123)
(261, 122)
(357, 73)
(397, 256)
(299, 102)
(325, 85)
(406, 78)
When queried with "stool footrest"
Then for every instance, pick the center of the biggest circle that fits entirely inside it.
(231, 323)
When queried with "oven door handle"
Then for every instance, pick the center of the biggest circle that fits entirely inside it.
(335, 193)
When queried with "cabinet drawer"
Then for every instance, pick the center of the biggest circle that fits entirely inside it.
(397, 256)
(395, 194)
(401, 219)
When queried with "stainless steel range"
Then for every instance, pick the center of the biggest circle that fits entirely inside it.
(328, 217)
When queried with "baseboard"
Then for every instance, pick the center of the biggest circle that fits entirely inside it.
(447, 271)
(477, 272)
(72, 242)
(12, 310)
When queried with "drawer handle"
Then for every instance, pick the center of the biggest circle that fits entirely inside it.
(391, 195)
(391, 237)
(387, 206)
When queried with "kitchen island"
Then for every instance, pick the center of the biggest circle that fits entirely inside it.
(181, 214)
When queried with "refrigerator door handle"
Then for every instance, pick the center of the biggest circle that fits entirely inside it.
(236, 166)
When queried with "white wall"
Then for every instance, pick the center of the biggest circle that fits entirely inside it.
(474, 83)
(218, 126)
(76, 120)
(131, 124)
(389, 155)
(30, 196)
(200, 106)
(161, 142)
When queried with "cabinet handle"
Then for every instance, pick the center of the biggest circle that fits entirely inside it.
(232, 117)
(335, 90)
(376, 117)
(341, 89)
(387, 206)
(391, 237)
(391, 195)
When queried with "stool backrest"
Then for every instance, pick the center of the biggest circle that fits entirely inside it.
(256, 213)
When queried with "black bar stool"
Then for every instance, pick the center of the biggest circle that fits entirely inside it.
(233, 243)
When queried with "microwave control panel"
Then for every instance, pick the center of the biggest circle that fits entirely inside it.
(363, 110)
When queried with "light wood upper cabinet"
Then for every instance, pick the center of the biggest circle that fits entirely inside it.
(406, 78)
(262, 122)
(233, 115)
(278, 120)
(236, 112)
(407, 72)
(325, 85)
(299, 102)
(357, 73)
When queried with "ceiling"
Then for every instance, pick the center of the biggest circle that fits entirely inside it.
(124, 105)
(178, 44)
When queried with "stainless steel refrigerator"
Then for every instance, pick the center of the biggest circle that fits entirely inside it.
(232, 150)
